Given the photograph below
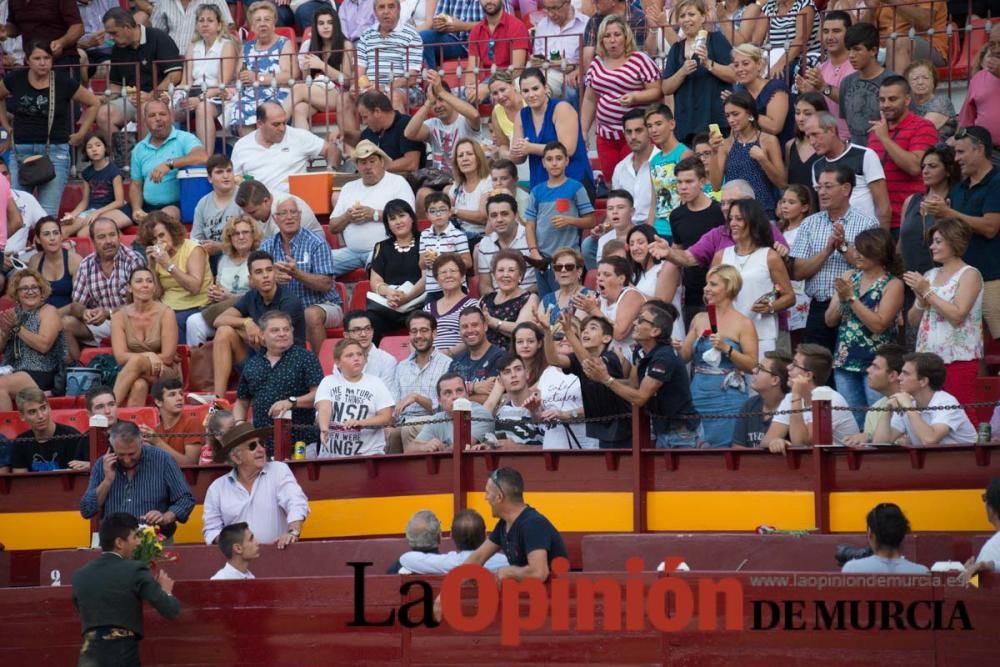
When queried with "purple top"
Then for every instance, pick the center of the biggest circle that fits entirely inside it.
(356, 16)
(718, 238)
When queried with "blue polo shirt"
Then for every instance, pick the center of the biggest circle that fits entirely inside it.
(978, 200)
(146, 157)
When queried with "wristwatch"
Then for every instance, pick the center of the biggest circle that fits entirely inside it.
(842, 248)
(170, 163)
(293, 399)
(828, 90)
(294, 533)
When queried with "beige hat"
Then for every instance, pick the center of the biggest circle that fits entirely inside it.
(366, 149)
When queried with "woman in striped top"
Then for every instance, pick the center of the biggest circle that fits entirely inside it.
(619, 77)
(449, 271)
(792, 26)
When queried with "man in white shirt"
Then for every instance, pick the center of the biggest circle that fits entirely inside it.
(632, 173)
(988, 559)
(501, 212)
(274, 150)
(468, 530)
(381, 364)
(239, 546)
(560, 32)
(263, 493)
(357, 211)
(810, 369)
(920, 385)
(870, 195)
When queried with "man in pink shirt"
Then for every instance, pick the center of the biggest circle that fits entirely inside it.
(825, 78)
(982, 103)
(500, 39)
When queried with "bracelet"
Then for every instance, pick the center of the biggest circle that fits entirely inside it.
(609, 382)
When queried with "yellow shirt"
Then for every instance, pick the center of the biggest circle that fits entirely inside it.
(174, 295)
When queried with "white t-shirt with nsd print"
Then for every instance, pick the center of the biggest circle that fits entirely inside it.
(353, 400)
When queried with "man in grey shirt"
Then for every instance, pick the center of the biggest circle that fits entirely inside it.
(217, 207)
(437, 435)
(858, 93)
(887, 526)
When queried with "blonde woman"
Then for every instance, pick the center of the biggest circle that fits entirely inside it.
(472, 186)
(240, 237)
(771, 95)
(209, 68)
(618, 78)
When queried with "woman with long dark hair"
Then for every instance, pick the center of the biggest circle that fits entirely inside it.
(799, 153)
(58, 265)
(766, 288)
(656, 279)
(749, 153)
(864, 307)
(328, 58)
(396, 276)
(940, 172)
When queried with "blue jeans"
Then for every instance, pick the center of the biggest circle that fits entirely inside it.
(346, 260)
(589, 250)
(446, 43)
(674, 439)
(50, 194)
(853, 386)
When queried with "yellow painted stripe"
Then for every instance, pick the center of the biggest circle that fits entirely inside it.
(729, 510)
(44, 530)
(595, 512)
(945, 510)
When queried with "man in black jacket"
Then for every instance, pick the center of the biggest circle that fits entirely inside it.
(109, 591)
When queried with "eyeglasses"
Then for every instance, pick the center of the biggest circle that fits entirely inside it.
(28, 289)
(760, 368)
(244, 232)
(704, 154)
(438, 211)
(361, 330)
(551, 10)
(801, 368)
(286, 214)
(644, 321)
(564, 267)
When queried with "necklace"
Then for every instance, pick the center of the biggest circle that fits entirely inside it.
(737, 255)
(403, 249)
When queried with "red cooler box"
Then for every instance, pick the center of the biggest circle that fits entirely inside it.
(314, 188)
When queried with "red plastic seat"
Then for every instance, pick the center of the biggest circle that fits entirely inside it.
(84, 246)
(326, 355)
(11, 424)
(359, 297)
(144, 415)
(590, 280)
(397, 346)
(986, 389)
(975, 39)
(323, 118)
(355, 276)
(474, 287)
(66, 402)
(423, 224)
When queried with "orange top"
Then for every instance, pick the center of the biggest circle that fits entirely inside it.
(186, 424)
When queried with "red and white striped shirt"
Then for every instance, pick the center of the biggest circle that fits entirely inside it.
(609, 85)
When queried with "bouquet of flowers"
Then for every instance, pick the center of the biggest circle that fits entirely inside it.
(150, 547)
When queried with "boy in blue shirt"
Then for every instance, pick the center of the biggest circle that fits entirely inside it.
(557, 211)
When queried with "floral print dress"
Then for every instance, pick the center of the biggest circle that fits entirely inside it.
(267, 61)
(938, 335)
(856, 344)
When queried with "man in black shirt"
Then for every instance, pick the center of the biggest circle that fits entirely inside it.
(527, 538)
(236, 329)
(696, 215)
(384, 128)
(160, 67)
(46, 445)
(659, 379)
(592, 342)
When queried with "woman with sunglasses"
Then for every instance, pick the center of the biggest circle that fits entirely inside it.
(31, 338)
(656, 279)
(58, 265)
(949, 309)
(567, 265)
(864, 307)
(721, 353)
(766, 288)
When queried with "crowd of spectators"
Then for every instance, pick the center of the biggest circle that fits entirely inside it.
(728, 229)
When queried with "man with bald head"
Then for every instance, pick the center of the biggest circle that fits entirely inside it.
(274, 150)
(155, 161)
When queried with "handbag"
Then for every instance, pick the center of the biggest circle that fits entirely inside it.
(36, 170)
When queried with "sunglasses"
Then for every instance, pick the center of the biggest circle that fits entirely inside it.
(963, 133)
(253, 444)
(495, 478)
(490, 49)
(558, 336)
(564, 267)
